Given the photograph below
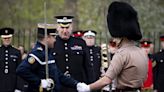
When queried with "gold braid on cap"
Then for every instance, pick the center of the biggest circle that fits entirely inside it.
(64, 25)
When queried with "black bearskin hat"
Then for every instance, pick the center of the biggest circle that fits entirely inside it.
(122, 21)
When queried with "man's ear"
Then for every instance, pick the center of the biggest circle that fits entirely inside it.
(71, 25)
(48, 37)
(57, 27)
(71, 28)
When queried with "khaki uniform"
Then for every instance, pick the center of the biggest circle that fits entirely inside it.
(128, 66)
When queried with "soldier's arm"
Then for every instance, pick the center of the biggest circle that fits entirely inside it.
(155, 74)
(24, 70)
(114, 69)
(99, 49)
(19, 80)
(102, 82)
(86, 63)
(67, 81)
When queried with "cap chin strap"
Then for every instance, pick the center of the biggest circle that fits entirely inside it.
(118, 41)
(119, 44)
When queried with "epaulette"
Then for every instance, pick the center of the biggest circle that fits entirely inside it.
(40, 48)
(34, 58)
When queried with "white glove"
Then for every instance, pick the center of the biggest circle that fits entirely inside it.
(47, 84)
(155, 90)
(16, 90)
(82, 87)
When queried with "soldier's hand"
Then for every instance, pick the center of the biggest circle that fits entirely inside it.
(82, 87)
(155, 90)
(47, 84)
(50, 84)
(16, 90)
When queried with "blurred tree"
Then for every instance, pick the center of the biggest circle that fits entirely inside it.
(71, 9)
(27, 13)
(89, 14)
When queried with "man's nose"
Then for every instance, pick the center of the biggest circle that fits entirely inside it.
(65, 29)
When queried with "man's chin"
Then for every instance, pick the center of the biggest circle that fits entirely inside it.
(65, 37)
(90, 44)
(52, 46)
(6, 44)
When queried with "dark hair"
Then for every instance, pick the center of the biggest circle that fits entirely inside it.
(40, 37)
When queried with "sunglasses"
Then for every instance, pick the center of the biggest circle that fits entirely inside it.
(65, 27)
(54, 36)
(7, 38)
(89, 37)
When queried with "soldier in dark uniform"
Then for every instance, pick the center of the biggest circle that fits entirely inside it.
(159, 70)
(95, 56)
(32, 69)
(10, 57)
(70, 52)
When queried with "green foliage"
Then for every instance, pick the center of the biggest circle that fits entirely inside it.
(90, 14)
(151, 14)
(27, 13)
